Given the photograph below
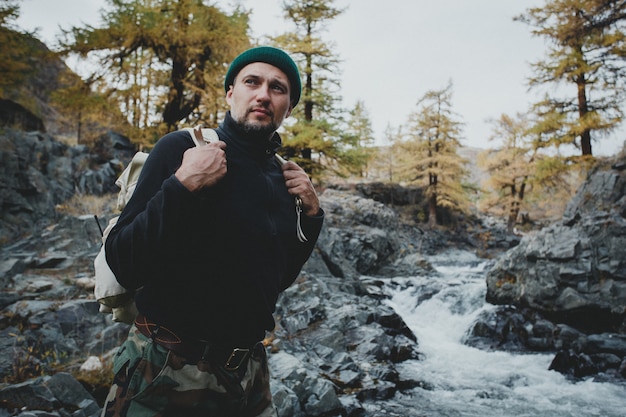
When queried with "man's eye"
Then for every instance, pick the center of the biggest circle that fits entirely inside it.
(279, 88)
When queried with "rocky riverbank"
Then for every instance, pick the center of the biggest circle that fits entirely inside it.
(563, 288)
(337, 345)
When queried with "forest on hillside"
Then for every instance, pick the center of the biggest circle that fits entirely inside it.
(159, 65)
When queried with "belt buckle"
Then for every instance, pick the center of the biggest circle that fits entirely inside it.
(236, 359)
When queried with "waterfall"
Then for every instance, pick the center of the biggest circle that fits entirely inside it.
(459, 380)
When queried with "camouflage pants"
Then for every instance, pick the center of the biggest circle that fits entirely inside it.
(151, 381)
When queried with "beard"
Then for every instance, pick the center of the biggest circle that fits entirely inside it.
(256, 129)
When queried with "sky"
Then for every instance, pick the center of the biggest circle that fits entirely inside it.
(392, 52)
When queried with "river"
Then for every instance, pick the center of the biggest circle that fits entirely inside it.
(464, 381)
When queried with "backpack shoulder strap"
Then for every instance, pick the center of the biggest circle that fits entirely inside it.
(201, 136)
(128, 179)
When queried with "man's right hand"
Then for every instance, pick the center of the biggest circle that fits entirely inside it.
(202, 166)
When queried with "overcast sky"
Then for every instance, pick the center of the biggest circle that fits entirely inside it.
(393, 51)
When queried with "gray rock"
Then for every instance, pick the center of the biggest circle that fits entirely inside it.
(322, 399)
(606, 343)
(574, 273)
(602, 192)
(575, 265)
(24, 309)
(70, 393)
(359, 237)
(49, 396)
(38, 173)
(33, 395)
(286, 401)
(351, 347)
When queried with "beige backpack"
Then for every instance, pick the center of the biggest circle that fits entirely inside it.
(114, 298)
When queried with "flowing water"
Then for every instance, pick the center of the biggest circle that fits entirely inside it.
(463, 381)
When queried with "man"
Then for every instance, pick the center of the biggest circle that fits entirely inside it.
(211, 237)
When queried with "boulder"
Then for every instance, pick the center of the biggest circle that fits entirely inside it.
(57, 395)
(573, 271)
(365, 237)
(565, 285)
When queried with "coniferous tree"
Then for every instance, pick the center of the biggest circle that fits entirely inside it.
(316, 139)
(34, 76)
(77, 102)
(388, 154)
(510, 167)
(587, 47)
(13, 53)
(87, 112)
(183, 44)
(19, 51)
(524, 177)
(360, 139)
(429, 155)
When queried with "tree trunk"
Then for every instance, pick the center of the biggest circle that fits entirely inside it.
(513, 214)
(583, 109)
(177, 107)
(79, 127)
(432, 210)
(432, 200)
(308, 103)
(172, 109)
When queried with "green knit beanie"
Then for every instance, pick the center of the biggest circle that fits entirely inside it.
(272, 56)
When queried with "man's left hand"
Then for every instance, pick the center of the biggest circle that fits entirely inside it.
(299, 184)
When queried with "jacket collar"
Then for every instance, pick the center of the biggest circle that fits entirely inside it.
(250, 142)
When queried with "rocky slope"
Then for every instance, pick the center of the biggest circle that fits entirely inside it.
(37, 173)
(573, 274)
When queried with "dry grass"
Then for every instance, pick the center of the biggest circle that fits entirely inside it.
(88, 204)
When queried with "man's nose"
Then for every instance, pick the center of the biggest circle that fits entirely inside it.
(263, 93)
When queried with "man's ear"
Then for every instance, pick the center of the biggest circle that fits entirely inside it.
(229, 94)
(289, 111)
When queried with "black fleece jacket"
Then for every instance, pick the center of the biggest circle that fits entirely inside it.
(211, 264)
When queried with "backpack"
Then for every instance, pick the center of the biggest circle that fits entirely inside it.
(114, 298)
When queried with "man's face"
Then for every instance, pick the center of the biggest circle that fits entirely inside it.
(259, 98)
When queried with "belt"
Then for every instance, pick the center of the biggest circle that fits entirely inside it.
(231, 359)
